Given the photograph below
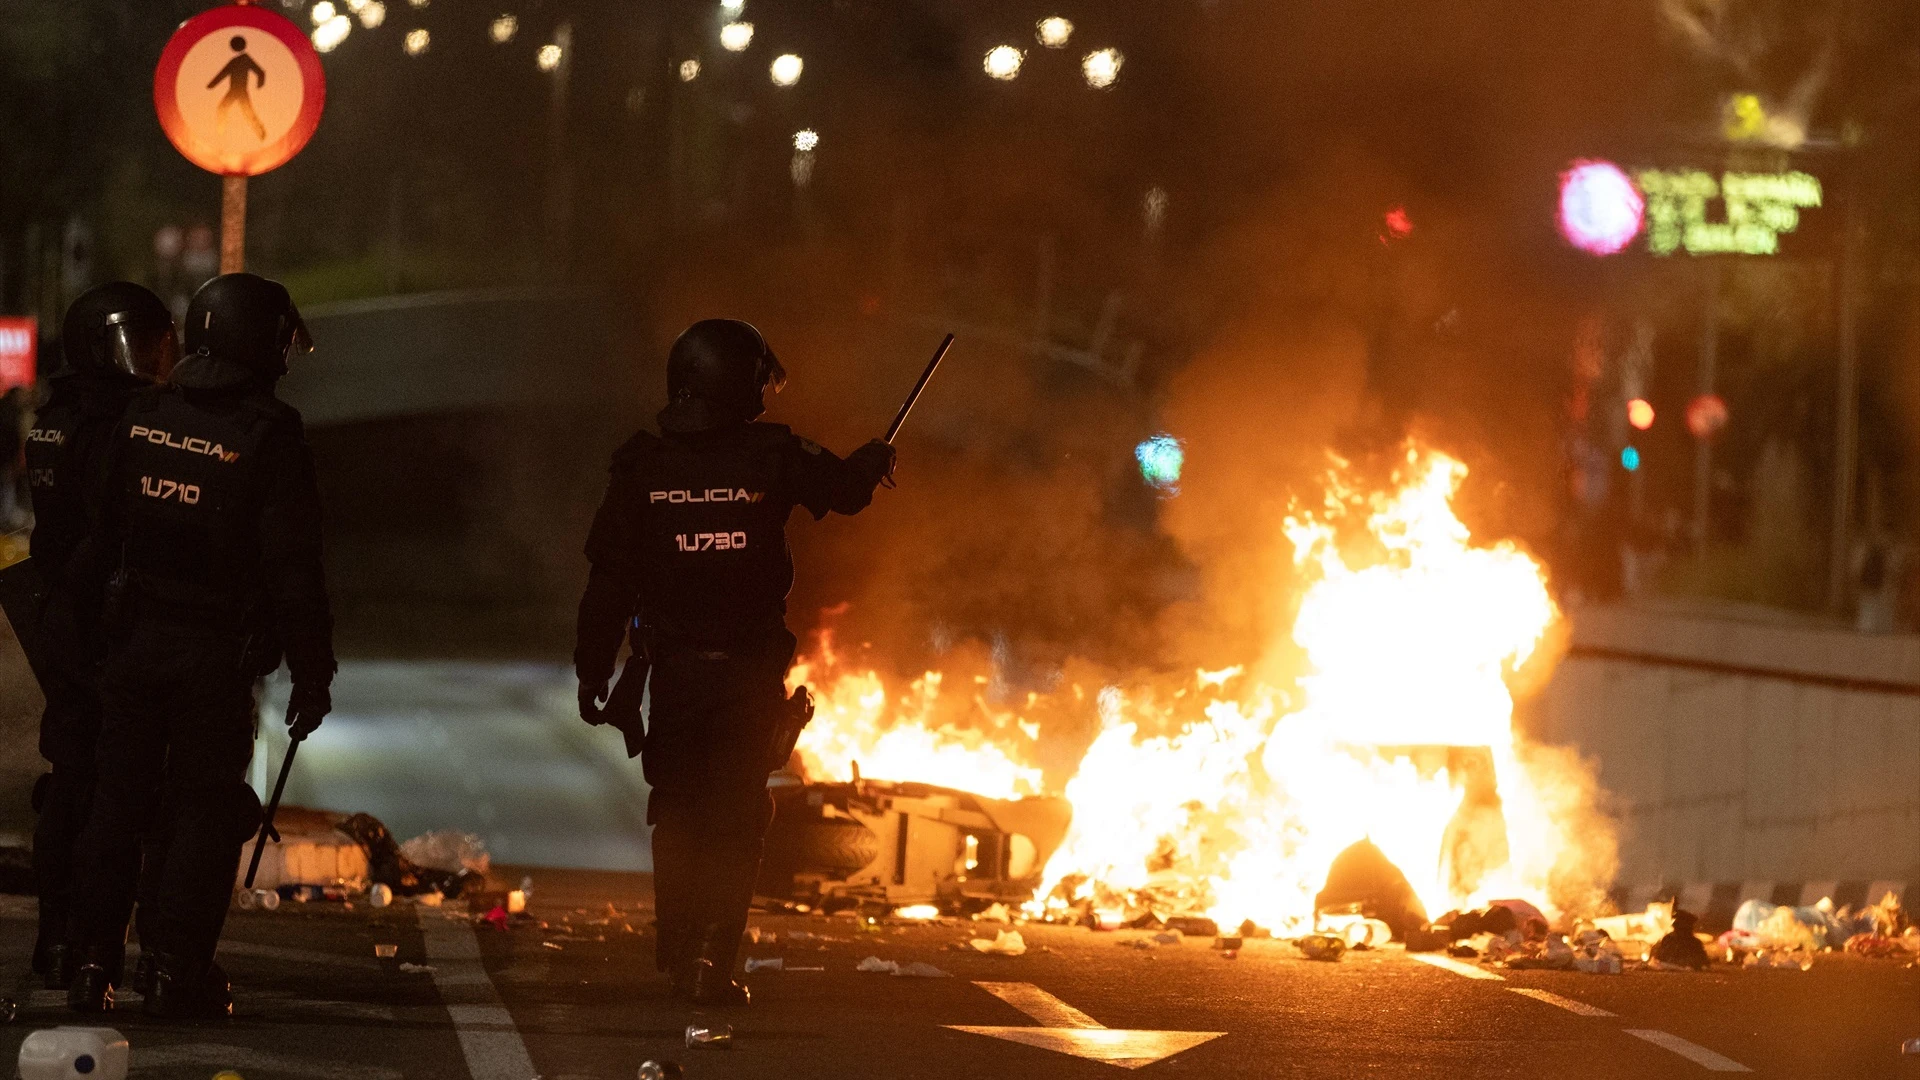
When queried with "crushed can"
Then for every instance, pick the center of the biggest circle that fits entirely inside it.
(661, 1070)
(74, 1053)
(706, 1036)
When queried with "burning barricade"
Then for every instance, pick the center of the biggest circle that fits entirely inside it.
(1363, 770)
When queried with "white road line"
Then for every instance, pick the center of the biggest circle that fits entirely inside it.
(1039, 1004)
(1578, 1007)
(492, 1045)
(295, 956)
(1448, 963)
(1693, 1052)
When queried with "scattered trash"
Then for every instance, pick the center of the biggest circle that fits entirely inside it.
(1551, 953)
(448, 850)
(660, 1070)
(1650, 925)
(1107, 918)
(1362, 933)
(1679, 950)
(1324, 947)
(994, 913)
(554, 945)
(497, 918)
(228, 1074)
(1004, 943)
(1194, 926)
(770, 963)
(758, 936)
(710, 1036)
(380, 895)
(875, 966)
(1168, 937)
(790, 968)
(62, 1053)
(416, 969)
(430, 899)
(1779, 927)
(918, 912)
(1780, 959)
(1911, 1046)
(1229, 943)
(516, 902)
(386, 952)
(1363, 881)
(1879, 947)
(9, 1010)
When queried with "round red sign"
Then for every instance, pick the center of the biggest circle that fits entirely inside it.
(239, 90)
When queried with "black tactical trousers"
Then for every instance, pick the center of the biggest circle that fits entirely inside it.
(177, 732)
(709, 724)
(69, 734)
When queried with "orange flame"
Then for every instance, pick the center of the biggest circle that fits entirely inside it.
(1232, 796)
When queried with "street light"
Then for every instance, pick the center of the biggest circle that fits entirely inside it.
(419, 3)
(418, 40)
(372, 13)
(805, 140)
(324, 12)
(1003, 62)
(786, 69)
(548, 57)
(1102, 67)
(328, 35)
(503, 29)
(736, 36)
(733, 7)
(689, 70)
(1054, 32)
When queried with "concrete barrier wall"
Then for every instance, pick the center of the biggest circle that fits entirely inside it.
(1745, 750)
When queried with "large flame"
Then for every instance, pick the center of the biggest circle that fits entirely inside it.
(1232, 795)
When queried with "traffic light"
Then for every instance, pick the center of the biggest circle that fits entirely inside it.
(1640, 413)
(1630, 459)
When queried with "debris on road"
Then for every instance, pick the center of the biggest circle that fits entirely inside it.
(661, 1070)
(710, 1036)
(995, 912)
(380, 895)
(1680, 949)
(449, 851)
(416, 969)
(386, 952)
(1324, 947)
(1363, 881)
(875, 966)
(1004, 943)
(61, 1053)
(767, 963)
(1911, 1046)
(1780, 927)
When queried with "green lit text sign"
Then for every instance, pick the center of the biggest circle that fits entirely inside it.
(1758, 208)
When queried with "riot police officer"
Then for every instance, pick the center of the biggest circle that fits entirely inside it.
(215, 527)
(115, 338)
(691, 541)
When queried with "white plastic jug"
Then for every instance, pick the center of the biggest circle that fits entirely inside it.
(74, 1053)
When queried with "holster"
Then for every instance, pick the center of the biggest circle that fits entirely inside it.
(622, 710)
(796, 713)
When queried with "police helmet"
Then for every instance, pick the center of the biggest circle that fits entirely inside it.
(118, 330)
(718, 373)
(248, 320)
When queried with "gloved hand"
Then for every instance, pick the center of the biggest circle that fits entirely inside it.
(875, 462)
(592, 694)
(306, 707)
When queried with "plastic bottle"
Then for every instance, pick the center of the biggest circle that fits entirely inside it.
(709, 1036)
(660, 1070)
(64, 1052)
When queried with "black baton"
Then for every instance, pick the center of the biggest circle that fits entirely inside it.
(273, 807)
(938, 355)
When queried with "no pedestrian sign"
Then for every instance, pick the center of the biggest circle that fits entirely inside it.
(239, 90)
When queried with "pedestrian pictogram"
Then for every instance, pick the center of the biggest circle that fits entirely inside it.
(239, 91)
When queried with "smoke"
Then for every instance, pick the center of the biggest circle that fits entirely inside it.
(1764, 48)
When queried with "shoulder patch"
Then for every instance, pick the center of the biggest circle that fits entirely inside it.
(809, 445)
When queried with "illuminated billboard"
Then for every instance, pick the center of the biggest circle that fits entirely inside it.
(1689, 211)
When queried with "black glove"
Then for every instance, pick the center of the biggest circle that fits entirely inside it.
(591, 696)
(306, 707)
(875, 462)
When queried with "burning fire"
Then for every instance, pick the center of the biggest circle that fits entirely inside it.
(1232, 795)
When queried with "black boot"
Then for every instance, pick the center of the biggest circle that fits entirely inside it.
(180, 995)
(60, 967)
(91, 990)
(714, 987)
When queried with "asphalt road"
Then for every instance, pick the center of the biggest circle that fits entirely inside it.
(493, 749)
(578, 999)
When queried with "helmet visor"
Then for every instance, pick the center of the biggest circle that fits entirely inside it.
(773, 376)
(143, 349)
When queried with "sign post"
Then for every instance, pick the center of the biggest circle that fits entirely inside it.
(239, 91)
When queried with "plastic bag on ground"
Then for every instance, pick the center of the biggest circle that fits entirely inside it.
(873, 965)
(1004, 943)
(1780, 927)
(60, 1053)
(448, 850)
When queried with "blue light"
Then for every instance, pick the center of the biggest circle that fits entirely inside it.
(1161, 458)
(1630, 459)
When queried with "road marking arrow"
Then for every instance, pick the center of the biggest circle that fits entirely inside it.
(1073, 1032)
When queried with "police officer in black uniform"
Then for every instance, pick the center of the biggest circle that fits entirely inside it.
(215, 530)
(116, 338)
(690, 543)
